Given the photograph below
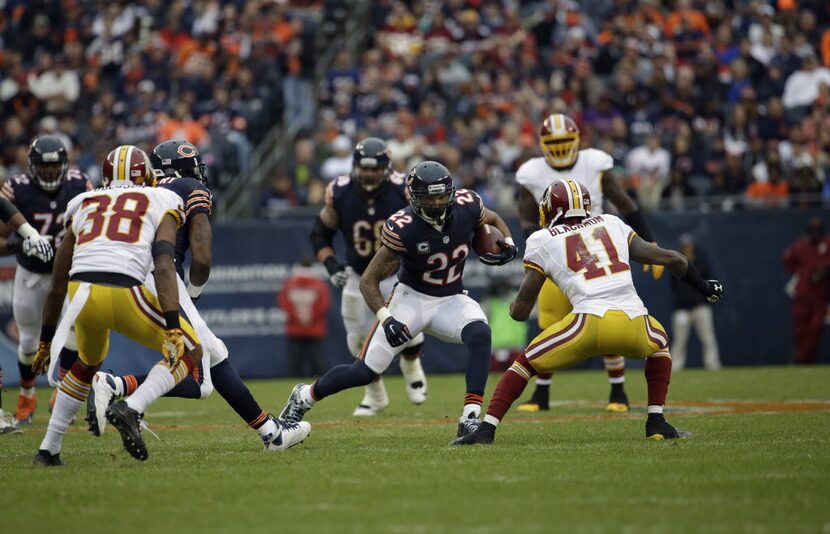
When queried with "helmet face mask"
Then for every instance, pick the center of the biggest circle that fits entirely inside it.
(48, 162)
(559, 140)
(432, 192)
(370, 165)
(178, 158)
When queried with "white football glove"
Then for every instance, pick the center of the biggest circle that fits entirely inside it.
(39, 247)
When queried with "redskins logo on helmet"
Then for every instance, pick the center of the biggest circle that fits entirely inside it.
(559, 139)
(127, 163)
(563, 200)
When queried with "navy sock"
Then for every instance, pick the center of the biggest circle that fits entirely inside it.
(476, 336)
(27, 376)
(227, 382)
(68, 358)
(186, 389)
(349, 375)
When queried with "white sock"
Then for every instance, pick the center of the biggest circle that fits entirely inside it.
(268, 429)
(28, 392)
(471, 408)
(412, 370)
(655, 408)
(305, 395)
(543, 381)
(492, 420)
(65, 409)
(159, 381)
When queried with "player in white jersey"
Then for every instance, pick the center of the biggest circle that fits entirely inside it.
(559, 140)
(588, 257)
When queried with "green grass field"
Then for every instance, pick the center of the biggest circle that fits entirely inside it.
(759, 462)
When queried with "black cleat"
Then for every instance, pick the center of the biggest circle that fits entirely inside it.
(44, 458)
(657, 429)
(483, 435)
(467, 425)
(618, 400)
(126, 420)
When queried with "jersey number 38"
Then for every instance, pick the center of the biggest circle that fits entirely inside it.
(122, 222)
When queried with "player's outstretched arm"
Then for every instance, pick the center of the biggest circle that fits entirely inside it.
(200, 236)
(522, 305)
(164, 250)
(384, 264)
(322, 241)
(54, 301)
(678, 265)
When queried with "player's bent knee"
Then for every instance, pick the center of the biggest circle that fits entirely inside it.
(26, 358)
(476, 333)
(362, 372)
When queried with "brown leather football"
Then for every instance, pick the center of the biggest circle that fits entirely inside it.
(484, 241)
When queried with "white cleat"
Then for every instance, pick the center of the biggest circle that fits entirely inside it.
(417, 392)
(416, 380)
(375, 400)
(101, 395)
(290, 434)
(7, 425)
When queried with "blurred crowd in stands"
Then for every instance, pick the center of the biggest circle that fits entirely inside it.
(724, 102)
(100, 73)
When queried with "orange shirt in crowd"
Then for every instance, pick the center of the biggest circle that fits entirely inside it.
(185, 129)
(772, 193)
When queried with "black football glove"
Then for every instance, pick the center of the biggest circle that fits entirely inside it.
(715, 291)
(396, 332)
(508, 252)
(337, 272)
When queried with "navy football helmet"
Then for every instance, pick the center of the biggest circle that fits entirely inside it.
(431, 191)
(371, 165)
(177, 157)
(48, 162)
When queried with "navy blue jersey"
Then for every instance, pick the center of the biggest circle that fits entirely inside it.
(432, 260)
(197, 199)
(44, 211)
(361, 220)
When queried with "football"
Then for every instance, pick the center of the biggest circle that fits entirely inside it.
(485, 240)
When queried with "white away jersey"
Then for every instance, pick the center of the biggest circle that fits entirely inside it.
(589, 263)
(536, 175)
(115, 228)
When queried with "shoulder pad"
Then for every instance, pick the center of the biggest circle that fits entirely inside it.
(600, 160)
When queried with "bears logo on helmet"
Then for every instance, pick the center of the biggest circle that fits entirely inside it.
(180, 158)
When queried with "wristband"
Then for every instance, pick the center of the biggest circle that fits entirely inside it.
(26, 231)
(171, 318)
(47, 333)
(194, 291)
(383, 314)
(332, 265)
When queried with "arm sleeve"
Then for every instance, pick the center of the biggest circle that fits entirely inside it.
(199, 201)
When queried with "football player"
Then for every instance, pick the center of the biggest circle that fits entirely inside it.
(41, 196)
(562, 158)
(179, 166)
(429, 241)
(358, 206)
(588, 257)
(29, 242)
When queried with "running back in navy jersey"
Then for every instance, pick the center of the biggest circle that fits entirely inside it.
(44, 211)
(361, 220)
(432, 260)
(197, 199)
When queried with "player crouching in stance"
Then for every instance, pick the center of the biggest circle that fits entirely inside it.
(588, 258)
(430, 241)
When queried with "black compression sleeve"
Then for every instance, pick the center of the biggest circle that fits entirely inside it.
(635, 220)
(7, 210)
(162, 248)
(693, 278)
(321, 235)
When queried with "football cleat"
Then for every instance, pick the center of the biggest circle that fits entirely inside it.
(127, 421)
(417, 392)
(530, 406)
(25, 409)
(617, 402)
(290, 434)
(375, 400)
(44, 458)
(467, 425)
(7, 425)
(296, 408)
(657, 429)
(485, 434)
(101, 395)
